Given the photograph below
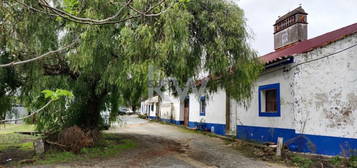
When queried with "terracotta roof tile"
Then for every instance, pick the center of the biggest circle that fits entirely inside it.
(311, 44)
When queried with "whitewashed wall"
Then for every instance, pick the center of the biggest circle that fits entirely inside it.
(318, 95)
(325, 91)
(215, 108)
(171, 107)
(152, 112)
(143, 108)
(250, 116)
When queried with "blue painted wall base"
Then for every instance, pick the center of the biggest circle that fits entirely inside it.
(166, 120)
(324, 145)
(219, 129)
(152, 117)
(172, 121)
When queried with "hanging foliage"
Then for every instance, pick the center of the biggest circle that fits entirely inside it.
(111, 61)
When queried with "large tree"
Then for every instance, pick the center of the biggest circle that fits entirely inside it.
(110, 57)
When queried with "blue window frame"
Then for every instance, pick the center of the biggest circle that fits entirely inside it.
(203, 106)
(269, 100)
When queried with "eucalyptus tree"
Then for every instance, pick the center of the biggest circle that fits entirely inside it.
(110, 45)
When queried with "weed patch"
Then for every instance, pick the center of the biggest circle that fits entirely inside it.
(109, 146)
(301, 162)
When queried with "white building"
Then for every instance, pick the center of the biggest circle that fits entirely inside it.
(16, 112)
(150, 107)
(208, 112)
(307, 94)
(171, 109)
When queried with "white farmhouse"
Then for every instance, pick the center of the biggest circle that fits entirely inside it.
(307, 94)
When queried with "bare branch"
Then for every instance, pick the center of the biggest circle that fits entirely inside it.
(55, 143)
(34, 9)
(110, 20)
(39, 57)
(77, 19)
(32, 114)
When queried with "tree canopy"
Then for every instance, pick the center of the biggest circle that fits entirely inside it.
(111, 60)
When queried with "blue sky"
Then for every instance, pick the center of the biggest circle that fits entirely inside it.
(324, 16)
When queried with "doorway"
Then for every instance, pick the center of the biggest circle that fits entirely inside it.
(186, 111)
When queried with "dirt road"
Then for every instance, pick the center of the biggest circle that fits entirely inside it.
(169, 146)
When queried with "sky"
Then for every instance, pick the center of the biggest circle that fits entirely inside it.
(324, 16)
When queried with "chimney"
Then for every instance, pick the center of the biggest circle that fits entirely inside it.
(290, 28)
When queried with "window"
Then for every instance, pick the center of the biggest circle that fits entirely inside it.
(284, 38)
(269, 100)
(152, 107)
(202, 105)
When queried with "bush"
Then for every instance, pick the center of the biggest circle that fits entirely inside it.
(74, 139)
(352, 162)
(143, 116)
(302, 162)
(336, 161)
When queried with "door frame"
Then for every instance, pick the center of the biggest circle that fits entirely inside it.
(186, 112)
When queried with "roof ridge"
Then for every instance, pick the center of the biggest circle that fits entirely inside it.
(310, 44)
(293, 12)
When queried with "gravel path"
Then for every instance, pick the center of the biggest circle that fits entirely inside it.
(162, 146)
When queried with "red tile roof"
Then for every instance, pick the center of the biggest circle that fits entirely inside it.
(311, 44)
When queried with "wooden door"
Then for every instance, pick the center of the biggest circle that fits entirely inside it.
(186, 112)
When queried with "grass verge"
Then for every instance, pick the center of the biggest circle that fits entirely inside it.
(12, 128)
(15, 147)
(111, 145)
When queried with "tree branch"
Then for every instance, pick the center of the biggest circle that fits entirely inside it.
(71, 17)
(39, 57)
(34, 9)
(59, 69)
(109, 20)
(32, 114)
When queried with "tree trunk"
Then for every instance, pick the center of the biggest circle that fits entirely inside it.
(228, 113)
(90, 117)
(133, 108)
(93, 112)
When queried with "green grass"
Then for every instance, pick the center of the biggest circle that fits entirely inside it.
(352, 162)
(110, 146)
(336, 161)
(10, 139)
(11, 128)
(302, 162)
(13, 138)
(27, 146)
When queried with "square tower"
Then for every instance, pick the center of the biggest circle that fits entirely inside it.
(290, 28)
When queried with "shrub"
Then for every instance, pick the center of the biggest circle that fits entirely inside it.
(143, 116)
(74, 138)
(302, 162)
(336, 161)
(352, 162)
